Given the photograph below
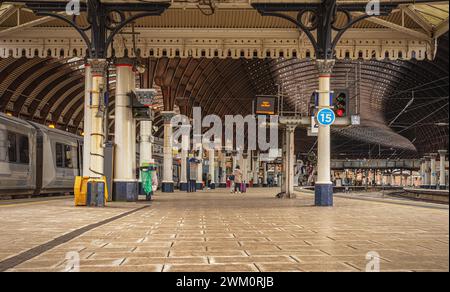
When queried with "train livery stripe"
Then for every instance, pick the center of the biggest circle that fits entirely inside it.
(38, 250)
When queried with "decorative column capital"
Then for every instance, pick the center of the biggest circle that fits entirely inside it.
(167, 116)
(325, 66)
(291, 128)
(98, 66)
(433, 156)
(442, 152)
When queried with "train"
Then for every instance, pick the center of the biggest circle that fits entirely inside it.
(36, 159)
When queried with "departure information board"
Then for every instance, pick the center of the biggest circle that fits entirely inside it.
(265, 105)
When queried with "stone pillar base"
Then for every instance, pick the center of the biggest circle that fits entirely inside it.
(125, 191)
(442, 187)
(184, 187)
(323, 195)
(265, 185)
(256, 185)
(212, 186)
(199, 186)
(167, 187)
(222, 185)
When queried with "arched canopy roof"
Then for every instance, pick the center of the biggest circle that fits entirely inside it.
(52, 91)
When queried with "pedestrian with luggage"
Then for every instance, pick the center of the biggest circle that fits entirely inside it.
(237, 180)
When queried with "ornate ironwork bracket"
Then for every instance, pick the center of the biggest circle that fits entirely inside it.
(105, 20)
(321, 18)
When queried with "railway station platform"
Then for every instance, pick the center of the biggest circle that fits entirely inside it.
(124, 124)
(215, 231)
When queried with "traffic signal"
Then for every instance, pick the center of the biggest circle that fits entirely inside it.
(340, 103)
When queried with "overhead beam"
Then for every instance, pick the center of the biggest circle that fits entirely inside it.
(6, 11)
(410, 11)
(414, 33)
(441, 29)
(25, 25)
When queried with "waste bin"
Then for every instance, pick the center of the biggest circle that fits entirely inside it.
(148, 176)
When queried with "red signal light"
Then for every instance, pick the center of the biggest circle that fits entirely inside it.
(340, 112)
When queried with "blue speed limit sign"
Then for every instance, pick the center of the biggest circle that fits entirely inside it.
(326, 117)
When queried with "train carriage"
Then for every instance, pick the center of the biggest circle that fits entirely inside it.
(35, 159)
(17, 156)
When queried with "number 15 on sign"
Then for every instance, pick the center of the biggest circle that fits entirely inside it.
(326, 117)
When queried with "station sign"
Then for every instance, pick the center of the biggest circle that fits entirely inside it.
(326, 117)
(265, 105)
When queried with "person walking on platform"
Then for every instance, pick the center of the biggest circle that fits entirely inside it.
(237, 180)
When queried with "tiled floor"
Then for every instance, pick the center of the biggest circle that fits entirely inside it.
(218, 231)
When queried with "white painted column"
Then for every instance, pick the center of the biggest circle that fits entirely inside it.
(145, 142)
(223, 166)
(87, 124)
(442, 182)
(125, 183)
(265, 179)
(255, 169)
(96, 161)
(243, 164)
(422, 172)
(275, 175)
(145, 148)
(284, 159)
(235, 160)
(410, 179)
(133, 133)
(200, 167)
(427, 172)
(183, 171)
(212, 168)
(323, 186)
(433, 173)
(290, 161)
(167, 181)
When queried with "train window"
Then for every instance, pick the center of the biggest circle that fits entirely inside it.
(59, 155)
(24, 149)
(3, 146)
(68, 153)
(12, 147)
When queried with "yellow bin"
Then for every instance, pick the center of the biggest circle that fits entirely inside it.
(80, 190)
